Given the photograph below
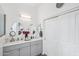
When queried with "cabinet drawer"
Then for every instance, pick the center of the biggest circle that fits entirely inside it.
(11, 53)
(36, 49)
(36, 42)
(13, 47)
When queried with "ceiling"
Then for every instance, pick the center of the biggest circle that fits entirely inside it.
(23, 4)
(20, 7)
(33, 4)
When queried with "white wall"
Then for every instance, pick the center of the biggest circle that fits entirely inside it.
(13, 11)
(60, 33)
(47, 10)
(69, 45)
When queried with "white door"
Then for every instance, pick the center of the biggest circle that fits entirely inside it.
(60, 34)
(53, 34)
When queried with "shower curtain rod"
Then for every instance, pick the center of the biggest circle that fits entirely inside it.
(63, 13)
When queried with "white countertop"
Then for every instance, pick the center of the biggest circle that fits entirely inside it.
(19, 42)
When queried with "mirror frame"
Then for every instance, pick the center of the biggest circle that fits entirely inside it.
(4, 25)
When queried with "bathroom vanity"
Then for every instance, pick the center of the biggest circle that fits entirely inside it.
(1, 49)
(23, 48)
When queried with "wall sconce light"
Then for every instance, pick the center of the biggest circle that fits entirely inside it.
(26, 17)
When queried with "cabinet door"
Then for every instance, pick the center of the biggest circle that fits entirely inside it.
(11, 53)
(25, 51)
(1, 49)
(36, 49)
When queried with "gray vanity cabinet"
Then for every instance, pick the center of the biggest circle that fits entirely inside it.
(36, 48)
(31, 48)
(25, 51)
(1, 49)
(22, 49)
(12, 53)
(11, 50)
